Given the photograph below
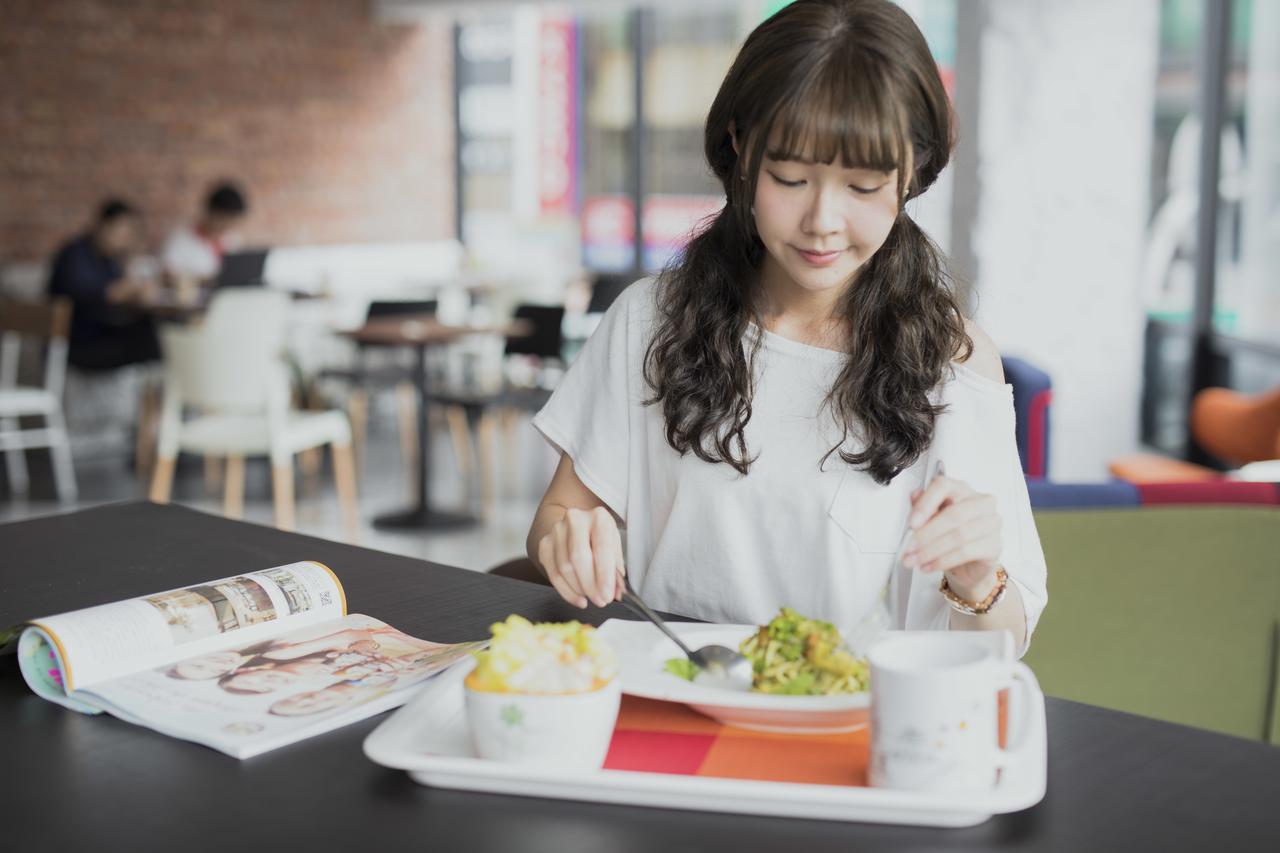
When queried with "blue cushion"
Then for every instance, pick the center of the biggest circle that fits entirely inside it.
(1046, 494)
(1028, 382)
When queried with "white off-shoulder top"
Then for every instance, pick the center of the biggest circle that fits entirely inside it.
(704, 541)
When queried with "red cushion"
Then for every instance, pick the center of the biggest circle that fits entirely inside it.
(1218, 492)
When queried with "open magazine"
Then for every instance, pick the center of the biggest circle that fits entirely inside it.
(244, 664)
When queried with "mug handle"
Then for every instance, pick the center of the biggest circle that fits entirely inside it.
(1025, 687)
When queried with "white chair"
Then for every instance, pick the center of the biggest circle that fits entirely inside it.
(229, 373)
(52, 322)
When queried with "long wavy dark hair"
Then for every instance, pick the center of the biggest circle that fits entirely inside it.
(817, 80)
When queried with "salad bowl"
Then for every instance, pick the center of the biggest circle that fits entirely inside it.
(544, 694)
(642, 655)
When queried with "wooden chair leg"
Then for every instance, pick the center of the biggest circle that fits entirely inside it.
(358, 414)
(344, 476)
(484, 460)
(407, 418)
(233, 488)
(144, 451)
(282, 494)
(213, 474)
(461, 436)
(162, 480)
(510, 450)
(311, 461)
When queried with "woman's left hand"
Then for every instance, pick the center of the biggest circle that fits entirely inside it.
(957, 531)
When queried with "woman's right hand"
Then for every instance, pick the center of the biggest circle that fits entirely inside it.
(582, 556)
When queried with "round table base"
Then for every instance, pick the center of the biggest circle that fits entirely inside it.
(420, 518)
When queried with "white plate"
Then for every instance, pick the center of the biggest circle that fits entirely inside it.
(429, 738)
(643, 650)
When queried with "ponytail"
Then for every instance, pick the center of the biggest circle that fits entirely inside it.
(905, 328)
(695, 363)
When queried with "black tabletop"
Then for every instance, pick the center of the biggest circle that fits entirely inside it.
(1116, 782)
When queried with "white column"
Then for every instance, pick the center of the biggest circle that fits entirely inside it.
(1066, 121)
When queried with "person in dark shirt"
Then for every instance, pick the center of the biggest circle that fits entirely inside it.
(107, 328)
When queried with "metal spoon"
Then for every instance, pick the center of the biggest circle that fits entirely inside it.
(718, 666)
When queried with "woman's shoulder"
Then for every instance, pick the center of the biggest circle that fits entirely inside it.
(637, 297)
(984, 360)
(982, 371)
(632, 310)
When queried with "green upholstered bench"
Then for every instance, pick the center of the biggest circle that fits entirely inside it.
(1169, 612)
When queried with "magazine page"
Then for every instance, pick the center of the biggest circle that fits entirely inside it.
(256, 697)
(75, 650)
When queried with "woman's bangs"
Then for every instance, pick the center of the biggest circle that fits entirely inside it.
(838, 113)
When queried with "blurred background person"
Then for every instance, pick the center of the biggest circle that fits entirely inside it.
(109, 328)
(193, 253)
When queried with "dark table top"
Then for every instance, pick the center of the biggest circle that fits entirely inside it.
(425, 330)
(1116, 781)
(164, 303)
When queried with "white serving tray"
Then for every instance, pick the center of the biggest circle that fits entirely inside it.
(428, 737)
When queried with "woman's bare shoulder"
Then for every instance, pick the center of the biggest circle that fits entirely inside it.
(985, 358)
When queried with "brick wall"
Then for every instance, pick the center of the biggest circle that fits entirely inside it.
(340, 127)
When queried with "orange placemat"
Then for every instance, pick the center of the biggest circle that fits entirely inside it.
(665, 737)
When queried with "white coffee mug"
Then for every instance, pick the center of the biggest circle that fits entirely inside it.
(934, 712)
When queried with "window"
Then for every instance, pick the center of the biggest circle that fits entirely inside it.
(1247, 280)
(1239, 345)
(511, 98)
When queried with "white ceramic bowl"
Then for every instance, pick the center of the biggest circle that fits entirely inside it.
(567, 730)
(643, 651)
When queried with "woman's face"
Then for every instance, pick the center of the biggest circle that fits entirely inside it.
(821, 222)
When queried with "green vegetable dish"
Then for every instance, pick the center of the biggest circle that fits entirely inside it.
(681, 667)
(795, 656)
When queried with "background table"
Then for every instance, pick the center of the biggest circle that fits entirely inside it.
(420, 332)
(1116, 782)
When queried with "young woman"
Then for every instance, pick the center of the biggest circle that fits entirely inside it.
(762, 417)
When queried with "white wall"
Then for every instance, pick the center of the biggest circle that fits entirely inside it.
(1065, 126)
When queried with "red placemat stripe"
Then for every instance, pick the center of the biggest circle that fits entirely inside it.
(658, 752)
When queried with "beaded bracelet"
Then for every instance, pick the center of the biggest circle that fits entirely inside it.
(981, 607)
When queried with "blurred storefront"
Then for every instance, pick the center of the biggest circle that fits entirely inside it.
(1215, 323)
(581, 128)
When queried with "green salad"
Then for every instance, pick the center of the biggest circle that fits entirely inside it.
(681, 667)
(796, 656)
